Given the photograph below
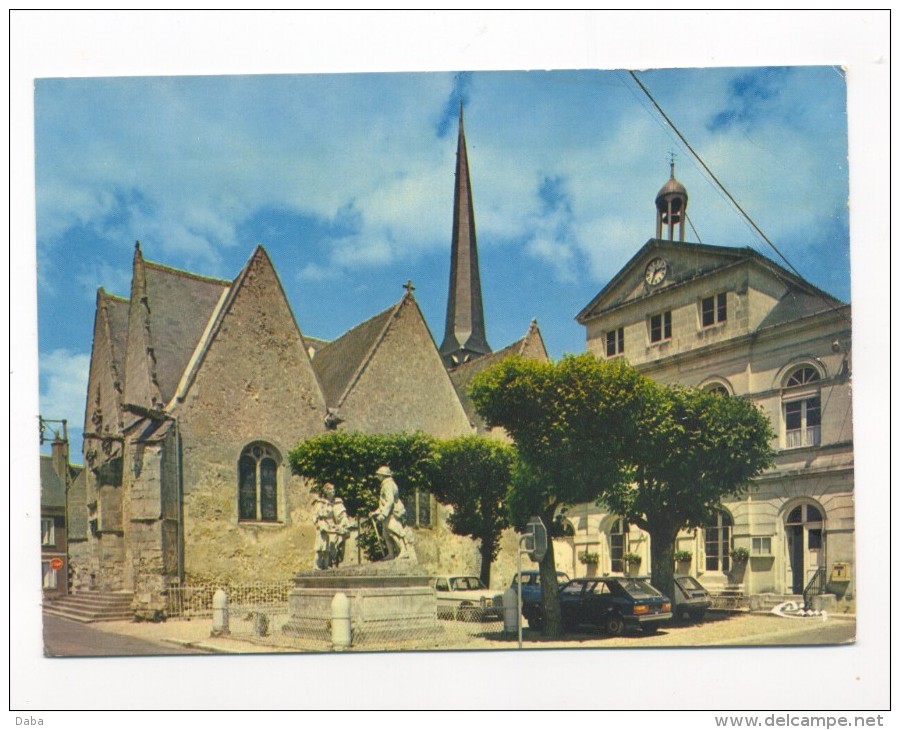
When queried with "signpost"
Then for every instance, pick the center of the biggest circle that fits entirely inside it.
(534, 543)
(56, 563)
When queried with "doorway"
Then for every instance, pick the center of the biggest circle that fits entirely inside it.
(804, 532)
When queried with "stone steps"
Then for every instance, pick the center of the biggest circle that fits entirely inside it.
(90, 607)
(765, 602)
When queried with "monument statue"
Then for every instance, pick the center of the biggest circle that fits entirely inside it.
(332, 526)
(390, 514)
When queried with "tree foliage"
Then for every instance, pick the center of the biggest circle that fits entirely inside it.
(694, 449)
(588, 430)
(349, 461)
(473, 476)
(571, 422)
(548, 409)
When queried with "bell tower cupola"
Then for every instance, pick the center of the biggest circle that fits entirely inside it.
(671, 208)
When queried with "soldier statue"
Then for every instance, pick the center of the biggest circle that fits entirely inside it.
(390, 514)
(332, 526)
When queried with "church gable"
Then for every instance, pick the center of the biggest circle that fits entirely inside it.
(402, 385)
(141, 386)
(338, 363)
(531, 347)
(103, 408)
(169, 310)
(250, 376)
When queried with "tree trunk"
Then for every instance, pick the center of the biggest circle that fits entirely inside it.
(550, 591)
(486, 561)
(662, 557)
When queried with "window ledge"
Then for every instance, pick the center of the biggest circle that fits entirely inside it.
(260, 523)
(796, 449)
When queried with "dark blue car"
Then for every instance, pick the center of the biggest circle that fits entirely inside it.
(613, 604)
(531, 590)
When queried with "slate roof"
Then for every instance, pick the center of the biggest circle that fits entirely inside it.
(465, 332)
(181, 305)
(338, 362)
(796, 305)
(53, 488)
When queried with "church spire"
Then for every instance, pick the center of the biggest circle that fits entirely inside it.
(464, 336)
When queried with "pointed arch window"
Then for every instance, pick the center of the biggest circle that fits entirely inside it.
(802, 408)
(258, 483)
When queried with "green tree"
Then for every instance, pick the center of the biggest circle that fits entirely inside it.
(349, 461)
(573, 422)
(694, 448)
(473, 476)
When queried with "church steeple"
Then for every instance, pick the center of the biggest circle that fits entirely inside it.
(464, 336)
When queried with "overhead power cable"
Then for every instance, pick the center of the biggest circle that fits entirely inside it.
(712, 175)
(718, 182)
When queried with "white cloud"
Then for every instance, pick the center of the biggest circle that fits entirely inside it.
(182, 166)
(115, 280)
(557, 254)
(64, 376)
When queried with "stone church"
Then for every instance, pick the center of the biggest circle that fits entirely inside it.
(199, 388)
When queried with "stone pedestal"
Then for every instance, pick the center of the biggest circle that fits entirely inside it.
(392, 601)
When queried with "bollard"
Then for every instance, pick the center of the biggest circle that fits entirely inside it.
(340, 622)
(511, 611)
(220, 614)
(260, 624)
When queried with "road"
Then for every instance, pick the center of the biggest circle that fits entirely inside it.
(832, 632)
(64, 638)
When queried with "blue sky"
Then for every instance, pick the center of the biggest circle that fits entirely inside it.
(347, 180)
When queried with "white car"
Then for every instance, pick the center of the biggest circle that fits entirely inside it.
(465, 598)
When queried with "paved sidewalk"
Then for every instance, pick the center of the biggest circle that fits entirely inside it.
(186, 632)
(718, 629)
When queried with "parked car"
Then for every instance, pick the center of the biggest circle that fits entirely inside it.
(465, 598)
(613, 604)
(531, 588)
(691, 598)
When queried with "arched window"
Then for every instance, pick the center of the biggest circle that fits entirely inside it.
(802, 407)
(717, 388)
(618, 546)
(258, 483)
(717, 541)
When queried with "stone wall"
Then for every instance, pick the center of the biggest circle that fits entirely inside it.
(405, 386)
(255, 384)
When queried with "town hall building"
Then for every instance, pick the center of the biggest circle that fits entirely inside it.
(732, 321)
